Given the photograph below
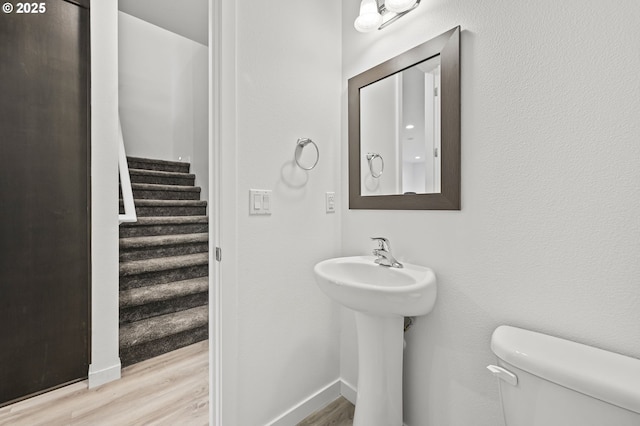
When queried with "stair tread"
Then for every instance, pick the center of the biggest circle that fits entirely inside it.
(143, 295)
(154, 161)
(163, 325)
(162, 240)
(141, 352)
(160, 173)
(167, 220)
(134, 267)
(163, 203)
(159, 187)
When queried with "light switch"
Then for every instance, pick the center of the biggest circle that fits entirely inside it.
(259, 202)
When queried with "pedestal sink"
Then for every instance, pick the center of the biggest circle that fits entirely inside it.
(381, 297)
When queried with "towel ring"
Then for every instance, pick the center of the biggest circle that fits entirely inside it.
(372, 156)
(302, 142)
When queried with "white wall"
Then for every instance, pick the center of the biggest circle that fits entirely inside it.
(548, 237)
(186, 17)
(280, 81)
(163, 95)
(105, 361)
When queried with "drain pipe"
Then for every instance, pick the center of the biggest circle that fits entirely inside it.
(408, 323)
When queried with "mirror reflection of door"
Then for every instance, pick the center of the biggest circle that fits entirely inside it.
(400, 121)
(379, 127)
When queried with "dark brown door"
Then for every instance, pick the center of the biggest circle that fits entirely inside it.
(44, 197)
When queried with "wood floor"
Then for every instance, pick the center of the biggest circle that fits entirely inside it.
(172, 389)
(338, 413)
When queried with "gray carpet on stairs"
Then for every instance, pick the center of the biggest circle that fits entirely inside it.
(164, 262)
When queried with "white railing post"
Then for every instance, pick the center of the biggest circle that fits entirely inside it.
(125, 183)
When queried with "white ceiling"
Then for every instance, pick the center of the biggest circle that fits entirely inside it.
(189, 18)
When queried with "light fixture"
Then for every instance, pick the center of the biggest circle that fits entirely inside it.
(409, 126)
(399, 6)
(369, 18)
(377, 14)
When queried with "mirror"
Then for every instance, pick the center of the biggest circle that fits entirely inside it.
(400, 132)
(404, 130)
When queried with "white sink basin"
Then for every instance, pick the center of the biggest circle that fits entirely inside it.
(360, 284)
(382, 297)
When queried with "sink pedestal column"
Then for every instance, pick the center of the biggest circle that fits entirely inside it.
(380, 351)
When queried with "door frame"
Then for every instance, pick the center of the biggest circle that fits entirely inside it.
(223, 365)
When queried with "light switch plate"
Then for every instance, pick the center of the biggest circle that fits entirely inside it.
(260, 201)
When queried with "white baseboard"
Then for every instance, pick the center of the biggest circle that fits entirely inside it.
(105, 375)
(348, 391)
(315, 402)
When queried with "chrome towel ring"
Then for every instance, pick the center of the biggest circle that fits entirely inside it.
(302, 142)
(372, 156)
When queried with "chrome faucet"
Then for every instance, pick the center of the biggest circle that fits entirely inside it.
(383, 252)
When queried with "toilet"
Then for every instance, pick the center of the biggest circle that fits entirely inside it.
(547, 381)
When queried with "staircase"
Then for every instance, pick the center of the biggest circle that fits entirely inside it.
(163, 262)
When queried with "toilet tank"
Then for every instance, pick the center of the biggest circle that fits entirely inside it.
(547, 381)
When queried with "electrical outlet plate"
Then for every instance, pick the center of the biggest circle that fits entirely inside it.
(260, 201)
(330, 202)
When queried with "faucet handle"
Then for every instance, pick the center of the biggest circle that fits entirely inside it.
(383, 243)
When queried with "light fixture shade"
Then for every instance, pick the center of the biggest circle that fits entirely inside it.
(369, 18)
(399, 6)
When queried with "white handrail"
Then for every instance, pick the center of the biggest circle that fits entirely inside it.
(125, 183)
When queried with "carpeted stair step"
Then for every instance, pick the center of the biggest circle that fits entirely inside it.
(161, 292)
(153, 348)
(162, 326)
(161, 178)
(140, 273)
(164, 225)
(145, 302)
(153, 336)
(138, 248)
(150, 310)
(158, 165)
(152, 191)
(169, 207)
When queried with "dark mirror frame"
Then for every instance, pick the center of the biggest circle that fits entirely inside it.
(446, 45)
